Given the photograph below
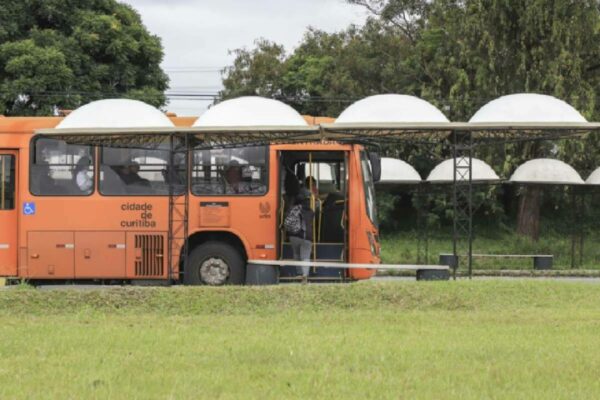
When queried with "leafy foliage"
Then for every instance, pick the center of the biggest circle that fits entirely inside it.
(457, 54)
(63, 53)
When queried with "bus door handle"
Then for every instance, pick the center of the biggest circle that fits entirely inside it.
(35, 256)
(87, 253)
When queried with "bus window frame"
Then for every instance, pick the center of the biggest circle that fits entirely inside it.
(364, 158)
(187, 186)
(32, 149)
(267, 185)
(12, 182)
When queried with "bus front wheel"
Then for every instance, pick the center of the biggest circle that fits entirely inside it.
(215, 264)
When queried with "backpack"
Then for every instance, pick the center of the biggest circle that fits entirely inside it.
(293, 221)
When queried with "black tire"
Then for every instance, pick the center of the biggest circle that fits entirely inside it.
(221, 252)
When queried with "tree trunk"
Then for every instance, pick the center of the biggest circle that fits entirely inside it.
(529, 213)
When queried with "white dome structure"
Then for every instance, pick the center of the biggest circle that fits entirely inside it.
(116, 113)
(546, 171)
(396, 172)
(444, 172)
(391, 108)
(594, 178)
(527, 107)
(250, 111)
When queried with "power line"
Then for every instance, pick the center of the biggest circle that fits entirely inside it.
(192, 95)
(194, 67)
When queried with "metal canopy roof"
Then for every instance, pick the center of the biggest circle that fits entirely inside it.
(388, 132)
(481, 133)
(201, 136)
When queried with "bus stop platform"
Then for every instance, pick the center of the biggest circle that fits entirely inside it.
(266, 272)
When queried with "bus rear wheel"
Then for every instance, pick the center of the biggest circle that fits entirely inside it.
(215, 264)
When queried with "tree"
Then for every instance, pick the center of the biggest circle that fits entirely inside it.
(64, 53)
(327, 71)
(257, 72)
(472, 51)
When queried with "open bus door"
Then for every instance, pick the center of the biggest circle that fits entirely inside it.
(324, 175)
(8, 212)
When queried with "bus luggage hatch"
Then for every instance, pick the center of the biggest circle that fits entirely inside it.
(99, 255)
(50, 255)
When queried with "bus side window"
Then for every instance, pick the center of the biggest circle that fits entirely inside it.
(7, 182)
(128, 171)
(61, 169)
(236, 171)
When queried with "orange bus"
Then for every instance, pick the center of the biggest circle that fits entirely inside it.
(102, 213)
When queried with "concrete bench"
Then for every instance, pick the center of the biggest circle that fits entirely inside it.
(540, 261)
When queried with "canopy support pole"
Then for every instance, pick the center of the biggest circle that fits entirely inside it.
(462, 149)
(179, 149)
(422, 202)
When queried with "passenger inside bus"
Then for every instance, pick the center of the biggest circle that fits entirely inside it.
(82, 178)
(129, 174)
(61, 169)
(311, 185)
(238, 171)
(140, 172)
(41, 180)
(235, 183)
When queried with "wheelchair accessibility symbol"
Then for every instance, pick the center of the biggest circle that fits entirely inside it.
(29, 208)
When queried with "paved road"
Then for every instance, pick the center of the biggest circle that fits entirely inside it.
(506, 278)
(375, 279)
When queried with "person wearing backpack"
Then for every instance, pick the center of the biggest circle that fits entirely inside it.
(299, 227)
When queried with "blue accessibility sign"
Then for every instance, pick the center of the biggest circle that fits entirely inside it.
(29, 208)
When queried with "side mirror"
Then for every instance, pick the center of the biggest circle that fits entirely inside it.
(375, 160)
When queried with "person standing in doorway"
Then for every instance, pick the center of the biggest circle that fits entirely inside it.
(299, 227)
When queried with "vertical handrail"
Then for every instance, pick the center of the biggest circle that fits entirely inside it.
(313, 205)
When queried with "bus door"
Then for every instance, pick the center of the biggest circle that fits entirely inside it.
(324, 175)
(8, 213)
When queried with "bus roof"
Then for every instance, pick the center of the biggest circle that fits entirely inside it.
(27, 124)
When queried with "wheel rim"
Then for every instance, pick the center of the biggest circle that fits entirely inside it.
(214, 271)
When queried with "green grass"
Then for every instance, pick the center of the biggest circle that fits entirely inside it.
(467, 340)
(402, 248)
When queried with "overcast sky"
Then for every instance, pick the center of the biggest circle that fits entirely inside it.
(197, 35)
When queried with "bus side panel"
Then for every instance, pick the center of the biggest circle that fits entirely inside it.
(253, 219)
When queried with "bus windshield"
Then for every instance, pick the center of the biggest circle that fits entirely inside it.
(369, 187)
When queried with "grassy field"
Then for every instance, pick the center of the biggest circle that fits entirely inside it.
(402, 248)
(467, 340)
